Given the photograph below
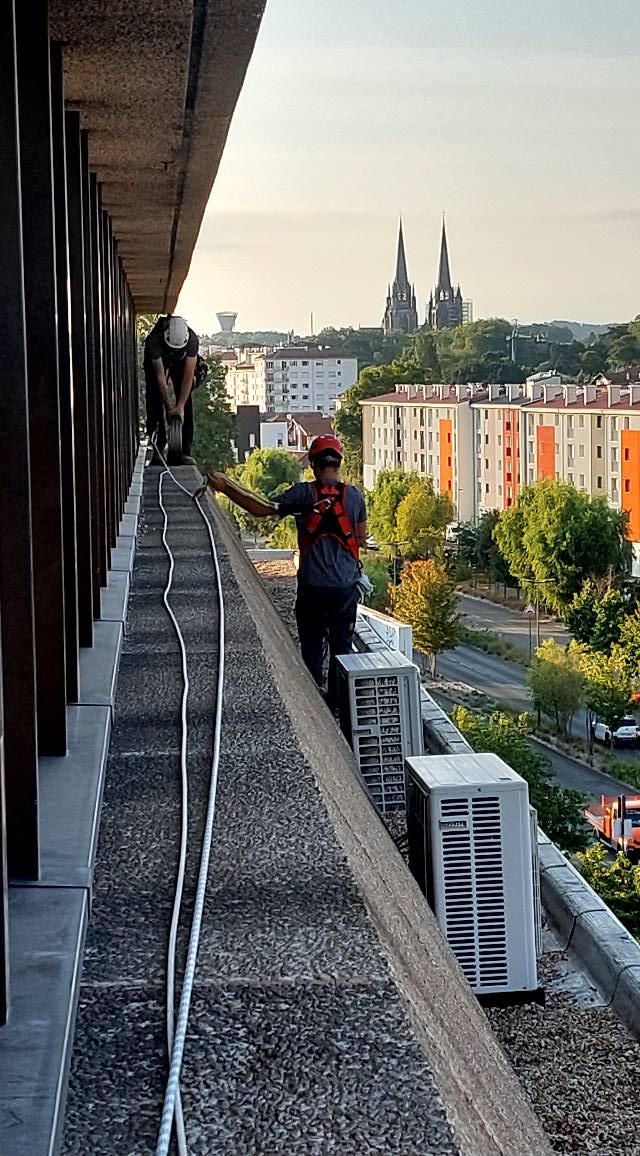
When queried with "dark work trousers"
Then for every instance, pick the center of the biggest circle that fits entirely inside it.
(155, 407)
(326, 617)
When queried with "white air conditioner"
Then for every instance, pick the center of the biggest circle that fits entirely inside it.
(469, 831)
(535, 875)
(381, 718)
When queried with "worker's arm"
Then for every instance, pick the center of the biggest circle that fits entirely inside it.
(186, 386)
(360, 520)
(161, 378)
(255, 505)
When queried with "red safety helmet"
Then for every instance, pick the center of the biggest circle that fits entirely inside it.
(325, 444)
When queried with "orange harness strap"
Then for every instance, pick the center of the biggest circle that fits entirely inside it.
(329, 518)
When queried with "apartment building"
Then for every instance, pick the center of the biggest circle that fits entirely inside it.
(304, 378)
(505, 436)
(427, 429)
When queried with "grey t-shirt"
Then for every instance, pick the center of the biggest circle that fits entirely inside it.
(327, 562)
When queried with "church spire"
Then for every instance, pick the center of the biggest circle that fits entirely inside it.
(401, 312)
(444, 273)
(402, 277)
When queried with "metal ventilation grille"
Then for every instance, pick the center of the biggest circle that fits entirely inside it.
(380, 752)
(535, 866)
(474, 901)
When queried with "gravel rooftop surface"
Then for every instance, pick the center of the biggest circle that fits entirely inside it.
(298, 1043)
(577, 1063)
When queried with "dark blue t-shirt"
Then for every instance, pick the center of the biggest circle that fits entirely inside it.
(327, 562)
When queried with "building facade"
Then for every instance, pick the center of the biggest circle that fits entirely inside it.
(425, 429)
(401, 311)
(481, 445)
(303, 379)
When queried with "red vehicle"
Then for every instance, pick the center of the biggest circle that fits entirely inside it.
(616, 821)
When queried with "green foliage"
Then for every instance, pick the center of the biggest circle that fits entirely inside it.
(421, 519)
(477, 548)
(284, 535)
(560, 811)
(383, 502)
(629, 644)
(144, 324)
(618, 883)
(377, 571)
(597, 619)
(556, 682)
(213, 421)
(267, 472)
(560, 536)
(608, 686)
(426, 600)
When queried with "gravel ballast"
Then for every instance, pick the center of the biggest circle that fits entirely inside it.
(576, 1062)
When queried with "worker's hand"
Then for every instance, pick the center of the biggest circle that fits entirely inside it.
(216, 480)
(175, 411)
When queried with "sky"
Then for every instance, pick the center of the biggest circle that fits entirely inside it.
(519, 120)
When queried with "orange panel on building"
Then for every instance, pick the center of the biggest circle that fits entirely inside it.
(630, 479)
(446, 456)
(510, 456)
(546, 451)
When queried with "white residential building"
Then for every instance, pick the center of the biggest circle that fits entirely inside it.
(303, 378)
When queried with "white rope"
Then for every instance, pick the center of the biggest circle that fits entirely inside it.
(172, 1102)
(184, 817)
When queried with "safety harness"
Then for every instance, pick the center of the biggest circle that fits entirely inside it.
(327, 518)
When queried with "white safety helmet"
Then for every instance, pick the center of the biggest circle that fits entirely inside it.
(176, 332)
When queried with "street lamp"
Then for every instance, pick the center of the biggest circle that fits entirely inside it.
(537, 582)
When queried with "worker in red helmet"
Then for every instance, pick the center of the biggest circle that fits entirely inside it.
(332, 529)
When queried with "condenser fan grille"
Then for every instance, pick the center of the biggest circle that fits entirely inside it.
(474, 899)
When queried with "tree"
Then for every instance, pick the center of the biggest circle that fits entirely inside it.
(377, 571)
(628, 650)
(556, 683)
(608, 688)
(426, 600)
(478, 548)
(617, 883)
(593, 361)
(597, 619)
(213, 421)
(560, 812)
(559, 536)
(267, 472)
(390, 488)
(421, 519)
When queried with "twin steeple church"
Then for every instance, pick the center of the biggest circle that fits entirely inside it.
(444, 310)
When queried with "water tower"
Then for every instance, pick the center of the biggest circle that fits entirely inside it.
(226, 321)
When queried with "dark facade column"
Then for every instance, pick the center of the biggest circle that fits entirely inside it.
(67, 386)
(34, 106)
(91, 376)
(4, 880)
(81, 398)
(16, 577)
(98, 326)
(107, 345)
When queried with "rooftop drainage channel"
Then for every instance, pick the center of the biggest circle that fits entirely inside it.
(584, 924)
(48, 918)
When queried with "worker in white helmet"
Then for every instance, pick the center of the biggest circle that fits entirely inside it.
(170, 356)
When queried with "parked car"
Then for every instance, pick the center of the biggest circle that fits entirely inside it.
(371, 543)
(626, 730)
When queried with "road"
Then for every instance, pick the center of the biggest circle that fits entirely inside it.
(506, 682)
(509, 625)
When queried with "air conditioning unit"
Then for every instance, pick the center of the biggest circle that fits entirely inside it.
(535, 875)
(470, 849)
(380, 715)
